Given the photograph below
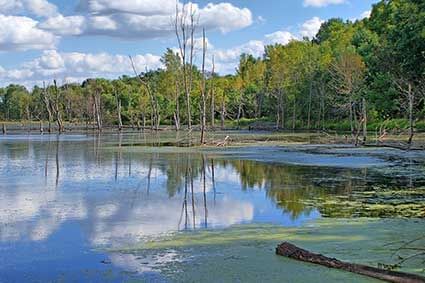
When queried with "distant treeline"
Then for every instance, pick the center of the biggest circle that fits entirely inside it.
(351, 73)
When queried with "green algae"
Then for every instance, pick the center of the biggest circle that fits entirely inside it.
(245, 253)
(378, 202)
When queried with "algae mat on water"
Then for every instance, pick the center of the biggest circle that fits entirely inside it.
(245, 253)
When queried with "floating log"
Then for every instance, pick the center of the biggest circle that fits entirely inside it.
(291, 251)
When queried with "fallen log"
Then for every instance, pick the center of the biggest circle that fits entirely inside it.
(291, 251)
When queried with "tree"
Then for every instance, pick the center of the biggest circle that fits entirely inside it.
(348, 73)
(172, 84)
(184, 27)
(203, 90)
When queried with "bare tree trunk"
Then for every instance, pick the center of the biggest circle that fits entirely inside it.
(223, 113)
(294, 113)
(364, 120)
(351, 118)
(239, 112)
(47, 104)
(282, 113)
(212, 95)
(203, 98)
(155, 120)
(177, 111)
(322, 98)
(96, 101)
(278, 110)
(158, 120)
(118, 111)
(185, 32)
(411, 103)
(309, 106)
(57, 109)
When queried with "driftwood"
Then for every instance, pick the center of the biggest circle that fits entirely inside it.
(399, 146)
(224, 142)
(288, 250)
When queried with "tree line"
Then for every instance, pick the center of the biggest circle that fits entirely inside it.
(351, 74)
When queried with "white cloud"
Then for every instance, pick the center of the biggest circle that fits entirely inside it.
(75, 66)
(365, 14)
(224, 17)
(253, 47)
(140, 7)
(144, 19)
(22, 33)
(322, 3)
(19, 74)
(311, 27)
(130, 19)
(280, 37)
(103, 23)
(60, 25)
(39, 8)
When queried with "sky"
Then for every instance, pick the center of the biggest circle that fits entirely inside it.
(71, 40)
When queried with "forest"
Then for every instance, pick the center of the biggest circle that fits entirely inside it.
(353, 76)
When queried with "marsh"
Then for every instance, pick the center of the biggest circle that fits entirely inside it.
(124, 207)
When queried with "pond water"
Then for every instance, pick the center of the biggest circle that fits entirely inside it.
(87, 207)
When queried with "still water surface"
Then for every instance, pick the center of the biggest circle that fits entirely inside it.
(66, 200)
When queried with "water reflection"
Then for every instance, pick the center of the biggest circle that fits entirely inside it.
(121, 194)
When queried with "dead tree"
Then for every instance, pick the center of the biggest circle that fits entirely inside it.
(203, 98)
(96, 107)
(47, 104)
(310, 98)
(280, 110)
(118, 101)
(57, 107)
(223, 112)
(347, 74)
(212, 94)
(155, 118)
(411, 99)
(184, 27)
(410, 90)
(240, 105)
(364, 110)
(177, 111)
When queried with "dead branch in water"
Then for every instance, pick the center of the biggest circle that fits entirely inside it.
(224, 142)
(399, 146)
(291, 251)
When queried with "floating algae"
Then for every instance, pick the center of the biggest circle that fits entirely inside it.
(245, 253)
(378, 202)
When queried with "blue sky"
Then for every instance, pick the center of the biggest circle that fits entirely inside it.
(70, 40)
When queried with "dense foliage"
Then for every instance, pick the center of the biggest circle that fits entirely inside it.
(351, 72)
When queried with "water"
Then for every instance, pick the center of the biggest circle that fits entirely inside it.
(65, 201)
